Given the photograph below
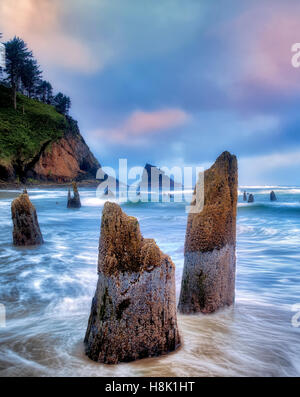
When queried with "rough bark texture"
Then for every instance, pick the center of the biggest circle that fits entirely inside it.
(26, 230)
(133, 312)
(208, 281)
(74, 201)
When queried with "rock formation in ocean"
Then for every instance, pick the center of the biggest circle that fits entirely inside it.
(133, 313)
(273, 196)
(26, 229)
(245, 196)
(251, 198)
(208, 281)
(74, 201)
(156, 180)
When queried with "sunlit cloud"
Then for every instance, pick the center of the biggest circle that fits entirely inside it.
(140, 125)
(39, 24)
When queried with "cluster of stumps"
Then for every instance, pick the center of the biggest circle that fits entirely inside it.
(133, 313)
(249, 197)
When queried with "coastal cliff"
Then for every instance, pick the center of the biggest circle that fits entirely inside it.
(38, 144)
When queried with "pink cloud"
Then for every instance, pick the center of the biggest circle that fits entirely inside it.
(140, 125)
(39, 24)
(259, 42)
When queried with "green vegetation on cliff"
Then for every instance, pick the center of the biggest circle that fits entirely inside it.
(24, 131)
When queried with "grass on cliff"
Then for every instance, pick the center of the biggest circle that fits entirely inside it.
(22, 135)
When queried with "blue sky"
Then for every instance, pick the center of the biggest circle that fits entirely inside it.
(174, 82)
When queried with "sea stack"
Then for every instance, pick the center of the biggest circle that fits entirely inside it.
(245, 196)
(208, 281)
(133, 313)
(74, 202)
(251, 198)
(273, 196)
(26, 229)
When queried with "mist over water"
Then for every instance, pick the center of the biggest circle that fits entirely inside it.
(47, 290)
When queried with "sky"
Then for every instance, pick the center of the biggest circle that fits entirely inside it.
(173, 82)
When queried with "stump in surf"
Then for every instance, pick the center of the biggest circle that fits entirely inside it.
(26, 229)
(208, 281)
(133, 313)
(273, 196)
(251, 198)
(74, 201)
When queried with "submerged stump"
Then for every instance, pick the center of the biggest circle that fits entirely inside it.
(133, 313)
(251, 198)
(26, 229)
(273, 196)
(208, 281)
(74, 201)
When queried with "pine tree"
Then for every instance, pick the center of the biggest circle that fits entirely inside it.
(30, 76)
(17, 54)
(62, 103)
(45, 91)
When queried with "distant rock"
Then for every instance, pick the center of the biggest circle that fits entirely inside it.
(26, 229)
(108, 193)
(133, 313)
(245, 196)
(251, 198)
(273, 196)
(74, 201)
(208, 281)
(156, 180)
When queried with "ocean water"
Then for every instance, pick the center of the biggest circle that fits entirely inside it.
(47, 290)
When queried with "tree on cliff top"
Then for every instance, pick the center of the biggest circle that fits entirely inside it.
(45, 91)
(17, 54)
(30, 76)
(62, 103)
(24, 75)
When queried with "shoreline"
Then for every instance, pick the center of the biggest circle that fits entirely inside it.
(20, 186)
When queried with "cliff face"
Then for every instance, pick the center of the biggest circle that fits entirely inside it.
(38, 143)
(65, 160)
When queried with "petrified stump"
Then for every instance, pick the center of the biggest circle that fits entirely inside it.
(208, 280)
(245, 196)
(133, 313)
(26, 230)
(107, 193)
(273, 196)
(251, 198)
(74, 202)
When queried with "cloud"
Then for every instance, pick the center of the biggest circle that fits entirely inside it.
(269, 167)
(136, 129)
(260, 41)
(39, 24)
